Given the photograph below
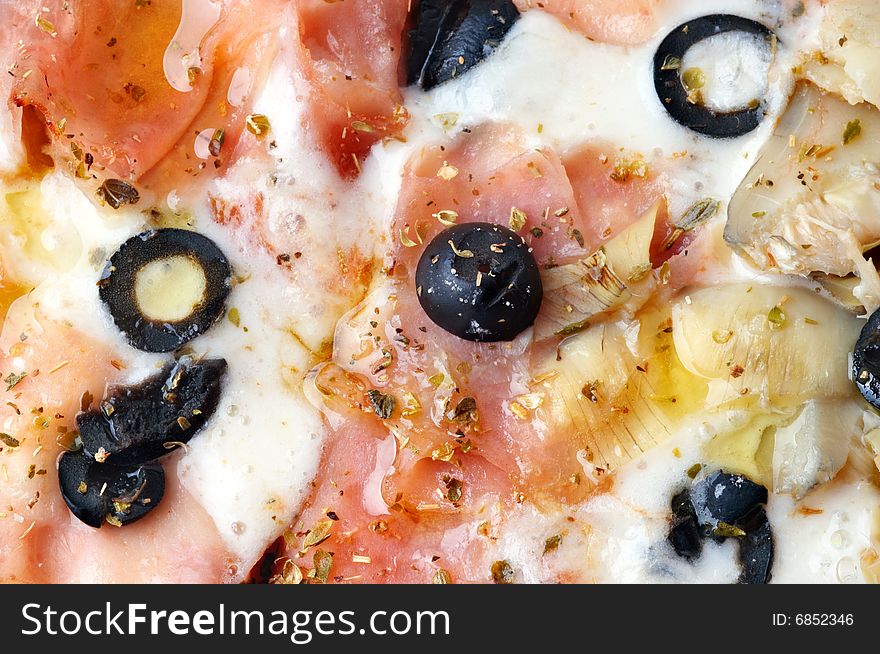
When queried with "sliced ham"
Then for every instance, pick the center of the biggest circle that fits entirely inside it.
(349, 54)
(111, 84)
(424, 487)
(40, 540)
(372, 543)
(612, 189)
(624, 22)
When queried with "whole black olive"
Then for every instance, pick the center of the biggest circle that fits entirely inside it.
(480, 282)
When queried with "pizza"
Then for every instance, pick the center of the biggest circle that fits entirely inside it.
(439, 291)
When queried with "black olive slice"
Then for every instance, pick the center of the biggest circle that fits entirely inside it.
(83, 498)
(450, 37)
(685, 535)
(480, 282)
(672, 92)
(119, 288)
(756, 549)
(723, 506)
(136, 424)
(722, 497)
(95, 492)
(866, 361)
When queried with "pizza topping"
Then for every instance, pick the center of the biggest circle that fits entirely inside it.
(852, 131)
(350, 55)
(810, 205)
(809, 450)
(725, 498)
(136, 424)
(756, 549)
(133, 100)
(502, 572)
(698, 213)
(165, 287)
(722, 97)
(117, 193)
(382, 404)
(258, 125)
(684, 533)
(450, 38)
(722, 506)
(99, 492)
(578, 292)
(114, 476)
(866, 361)
(479, 282)
(624, 22)
(731, 335)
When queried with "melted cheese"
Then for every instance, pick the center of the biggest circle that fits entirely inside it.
(252, 466)
(735, 67)
(605, 92)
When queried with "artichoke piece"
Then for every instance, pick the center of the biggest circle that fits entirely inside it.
(765, 344)
(577, 292)
(871, 441)
(811, 202)
(840, 290)
(616, 399)
(629, 253)
(849, 61)
(870, 558)
(814, 447)
(746, 447)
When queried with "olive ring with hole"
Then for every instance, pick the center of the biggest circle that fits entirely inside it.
(165, 287)
(673, 93)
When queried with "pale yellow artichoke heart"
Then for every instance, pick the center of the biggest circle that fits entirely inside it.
(618, 389)
(604, 282)
(811, 203)
(790, 449)
(813, 448)
(765, 345)
(849, 61)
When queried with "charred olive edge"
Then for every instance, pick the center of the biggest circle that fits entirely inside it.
(439, 256)
(117, 287)
(866, 361)
(434, 60)
(672, 93)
